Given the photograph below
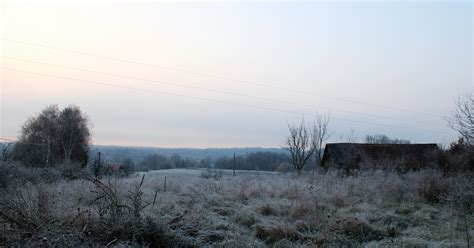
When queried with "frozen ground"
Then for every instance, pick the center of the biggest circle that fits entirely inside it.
(372, 209)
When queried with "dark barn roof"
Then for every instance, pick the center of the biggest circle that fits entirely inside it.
(352, 155)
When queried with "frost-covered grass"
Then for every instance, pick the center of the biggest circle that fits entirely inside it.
(372, 208)
(201, 171)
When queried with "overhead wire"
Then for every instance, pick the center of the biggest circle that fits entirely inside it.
(206, 99)
(265, 85)
(183, 85)
(21, 142)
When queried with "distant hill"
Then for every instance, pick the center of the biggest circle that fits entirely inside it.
(118, 153)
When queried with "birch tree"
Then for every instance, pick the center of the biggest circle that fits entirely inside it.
(54, 136)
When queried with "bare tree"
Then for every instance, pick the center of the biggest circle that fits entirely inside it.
(351, 138)
(384, 139)
(320, 134)
(305, 140)
(462, 119)
(300, 145)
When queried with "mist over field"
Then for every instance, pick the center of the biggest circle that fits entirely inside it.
(118, 153)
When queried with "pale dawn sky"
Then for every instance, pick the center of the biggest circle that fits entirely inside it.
(235, 74)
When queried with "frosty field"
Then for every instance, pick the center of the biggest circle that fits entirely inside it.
(372, 209)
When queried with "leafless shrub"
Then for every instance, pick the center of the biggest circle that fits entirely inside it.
(107, 201)
(110, 203)
(24, 211)
(431, 186)
(211, 187)
(120, 217)
(136, 199)
(16, 173)
(8, 174)
(460, 195)
(147, 232)
(72, 171)
(460, 198)
(393, 191)
(212, 173)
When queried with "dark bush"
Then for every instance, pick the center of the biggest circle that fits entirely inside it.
(274, 233)
(73, 171)
(360, 231)
(147, 232)
(432, 187)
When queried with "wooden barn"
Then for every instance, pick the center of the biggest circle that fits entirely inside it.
(357, 155)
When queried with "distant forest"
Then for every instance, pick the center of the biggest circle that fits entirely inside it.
(150, 158)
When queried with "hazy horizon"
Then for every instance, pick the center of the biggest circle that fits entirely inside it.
(230, 75)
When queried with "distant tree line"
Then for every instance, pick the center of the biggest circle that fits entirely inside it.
(383, 139)
(265, 161)
(161, 162)
(99, 167)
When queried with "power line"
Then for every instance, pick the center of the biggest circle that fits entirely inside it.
(264, 85)
(149, 80)
(21, 142)
(208, 100)
(203, 88)
(151, 91)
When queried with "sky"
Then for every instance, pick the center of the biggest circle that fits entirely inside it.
(235, 74)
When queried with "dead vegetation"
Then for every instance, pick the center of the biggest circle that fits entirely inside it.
(365, 208)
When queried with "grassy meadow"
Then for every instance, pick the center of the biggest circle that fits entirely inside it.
(204, 208)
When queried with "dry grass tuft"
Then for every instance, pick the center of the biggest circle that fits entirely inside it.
(360, 231)
(245, 218)
(274, 232)
(266, 209)
(279, 234)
